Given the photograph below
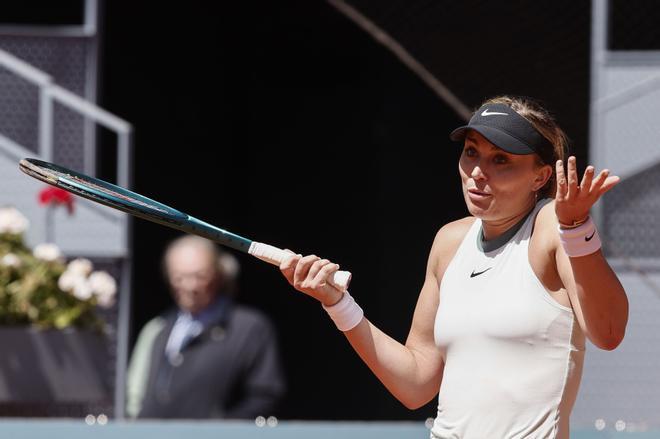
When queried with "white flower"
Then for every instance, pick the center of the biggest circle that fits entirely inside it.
(81, 266)
(82, 288)
(105, 301)
(47, 252)
(76, 284)
(105, 288)
(12, 221)
(10, 260)
(68, 280)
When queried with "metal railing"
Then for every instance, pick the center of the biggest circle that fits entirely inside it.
(49, 93)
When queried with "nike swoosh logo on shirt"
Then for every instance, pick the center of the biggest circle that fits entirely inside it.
(492, 113)
(474, 274)
(588, 238)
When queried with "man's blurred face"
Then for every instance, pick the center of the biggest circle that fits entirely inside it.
(193, 276)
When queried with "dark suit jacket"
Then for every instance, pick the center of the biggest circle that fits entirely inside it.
(231, 370)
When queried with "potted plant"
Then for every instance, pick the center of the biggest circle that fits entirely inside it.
(52, 329)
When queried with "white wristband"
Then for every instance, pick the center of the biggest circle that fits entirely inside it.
(346, 313)
(580, 241)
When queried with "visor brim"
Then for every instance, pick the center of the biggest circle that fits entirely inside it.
(497, 137)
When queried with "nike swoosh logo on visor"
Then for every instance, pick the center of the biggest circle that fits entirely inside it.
(492, 113)
(474, 274)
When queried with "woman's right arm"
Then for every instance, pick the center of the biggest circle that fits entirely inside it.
(412, 372)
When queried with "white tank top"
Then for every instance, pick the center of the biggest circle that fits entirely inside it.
(513, 355)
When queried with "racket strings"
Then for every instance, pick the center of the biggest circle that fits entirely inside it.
(106, 190)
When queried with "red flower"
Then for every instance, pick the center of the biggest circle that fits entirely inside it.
(54, 196)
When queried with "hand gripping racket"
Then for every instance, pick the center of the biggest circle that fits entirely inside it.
(135, 204)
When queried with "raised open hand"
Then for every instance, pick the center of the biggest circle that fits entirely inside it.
(573, 201)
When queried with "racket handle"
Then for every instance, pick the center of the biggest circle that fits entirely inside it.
(275, 256)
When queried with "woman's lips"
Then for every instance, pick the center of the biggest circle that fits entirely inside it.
(478, 195)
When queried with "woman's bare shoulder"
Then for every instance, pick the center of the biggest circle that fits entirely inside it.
(447, 240)
(547, 212)
(546, 220)
(455, 230)
(545, 238)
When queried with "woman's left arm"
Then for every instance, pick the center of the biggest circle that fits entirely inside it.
(595, 292)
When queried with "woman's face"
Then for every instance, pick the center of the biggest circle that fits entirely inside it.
(498, 185)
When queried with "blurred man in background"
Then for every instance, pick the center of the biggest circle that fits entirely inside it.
(209, 357)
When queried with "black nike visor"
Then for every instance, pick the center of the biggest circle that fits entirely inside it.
(508, 130)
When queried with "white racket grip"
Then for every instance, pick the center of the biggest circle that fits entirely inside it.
(275, 256)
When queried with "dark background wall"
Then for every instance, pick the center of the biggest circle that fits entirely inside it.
(286, 123)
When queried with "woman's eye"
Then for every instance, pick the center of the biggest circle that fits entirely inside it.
(470, 151)
(500, 159)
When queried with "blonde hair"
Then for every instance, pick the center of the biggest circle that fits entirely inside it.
(545, 124)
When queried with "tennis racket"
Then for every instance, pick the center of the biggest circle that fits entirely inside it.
(135, 204)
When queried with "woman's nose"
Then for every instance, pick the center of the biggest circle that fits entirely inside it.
(477, 173)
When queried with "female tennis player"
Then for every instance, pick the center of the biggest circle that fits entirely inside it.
(510, 292)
